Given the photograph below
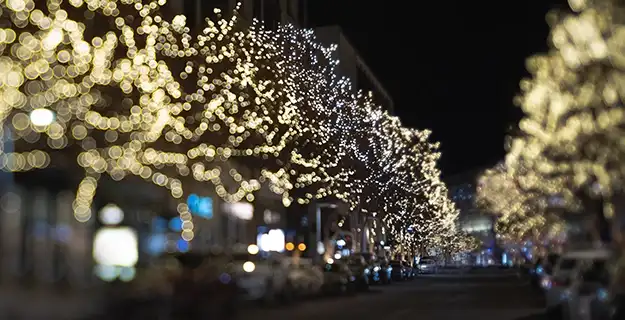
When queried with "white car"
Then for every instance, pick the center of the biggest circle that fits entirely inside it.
(306, 278)
(262, 280)
(590, 277)
(427, 266)
(557, 285)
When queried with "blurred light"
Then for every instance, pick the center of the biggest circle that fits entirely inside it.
(106, 273)
(175, 224)
(249, 266)
(156, 243)
(330, 261)
(111, 215)
(602, 294)
(127, 274)
(340, 242)
(200, 206)
(41, 117)
(272, 241)
(321, 248)
(252, 249)
(337, 256)
(241, 210)
(182, 245)
(301, 247)
(116, 247)
(289, 246)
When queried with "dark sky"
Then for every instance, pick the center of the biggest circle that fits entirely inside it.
(451, 66)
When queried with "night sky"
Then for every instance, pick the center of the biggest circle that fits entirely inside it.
(451, 66)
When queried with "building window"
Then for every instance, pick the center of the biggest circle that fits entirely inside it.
(290, 9)
(191, 12)
(272, 14)
(302, 12)
(257, 9)
(208, 9)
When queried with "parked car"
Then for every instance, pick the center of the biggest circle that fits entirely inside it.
(358, 266)
(588, 279)
(398, 271)
(542, 270)
(306, 278)
(427, 265)
(338, 279)
(262, 279)
(557, 284)
(379, 270)
(411, 272)
(204, 286)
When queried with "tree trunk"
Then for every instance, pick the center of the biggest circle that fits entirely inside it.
(600, 226)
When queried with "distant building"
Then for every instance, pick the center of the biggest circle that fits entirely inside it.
(472, 220)
(353, 66)
(271, 12)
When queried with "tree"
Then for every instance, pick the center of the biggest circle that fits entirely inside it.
(146, 97)
(521, 213)
(321, 137)
(420, 209)
(574, 120)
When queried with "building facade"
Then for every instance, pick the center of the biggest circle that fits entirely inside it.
(472, 220)
(353, 66)
(269, 12)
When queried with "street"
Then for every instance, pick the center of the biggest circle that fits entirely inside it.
(480, 295)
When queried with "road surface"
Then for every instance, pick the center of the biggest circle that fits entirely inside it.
(482, 295)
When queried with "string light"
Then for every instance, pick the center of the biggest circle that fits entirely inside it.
(522, 213)
(231, 106)
(569, 151)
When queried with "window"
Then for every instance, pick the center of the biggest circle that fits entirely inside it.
(208, 9)
(190, 11)
(290, 8)
(302, 12)
(257, 9)
(272, 14)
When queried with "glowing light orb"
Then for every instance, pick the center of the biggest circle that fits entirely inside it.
(41, 117)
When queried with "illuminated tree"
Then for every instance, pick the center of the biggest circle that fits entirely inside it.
(522, 213)
(574, 120)
(418, 200)
(144, 97)
(321, 138)
(134, 92)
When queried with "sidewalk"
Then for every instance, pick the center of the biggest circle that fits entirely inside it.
(17, 303)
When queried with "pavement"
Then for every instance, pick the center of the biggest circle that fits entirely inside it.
(464, 295)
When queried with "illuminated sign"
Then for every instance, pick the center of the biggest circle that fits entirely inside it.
(274, 240)
(241, 210)
(200, 206)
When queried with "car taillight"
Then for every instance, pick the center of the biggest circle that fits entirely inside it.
(559, 283)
